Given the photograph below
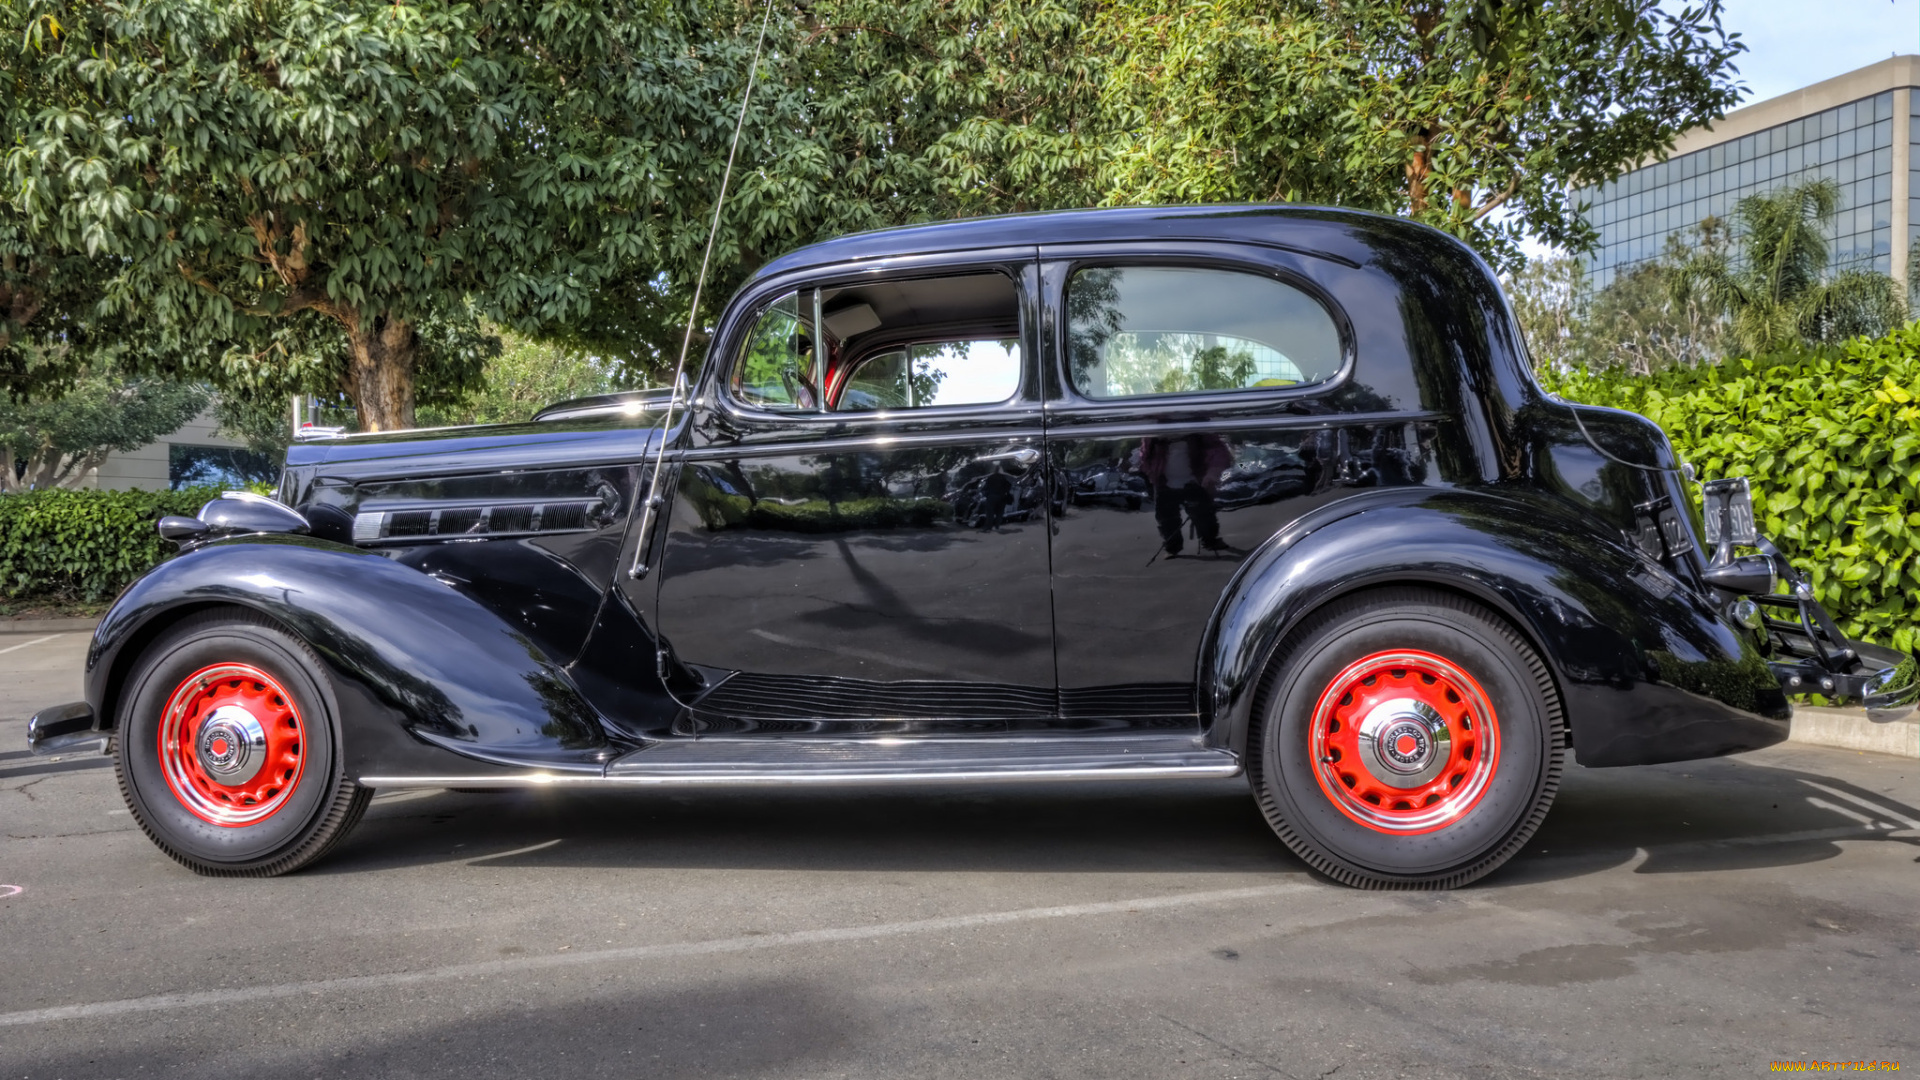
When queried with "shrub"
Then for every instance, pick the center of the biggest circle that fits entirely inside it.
(1831, 442)
(84, 545)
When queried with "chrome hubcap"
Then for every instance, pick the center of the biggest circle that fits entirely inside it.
(1404, 743)
(232, 745)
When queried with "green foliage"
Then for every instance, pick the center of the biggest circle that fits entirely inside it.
(1777, 292)
(1831, 441)
(1646, 320)
(524, 378)
(85, 545)
(49, 331)
(1444, 111)
(359, 169)
(1173, 363)
(331, 192)
(55, 443)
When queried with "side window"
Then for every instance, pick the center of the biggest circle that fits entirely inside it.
(977, 371)
(909, 343)
(775, 369)
(880, 382)
(1135, 330)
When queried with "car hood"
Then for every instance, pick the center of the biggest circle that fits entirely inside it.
(576, 443)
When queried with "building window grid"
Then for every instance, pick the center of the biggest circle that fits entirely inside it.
(1852, 144)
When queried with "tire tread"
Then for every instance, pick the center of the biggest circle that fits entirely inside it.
(343, 807)
(1556, 743)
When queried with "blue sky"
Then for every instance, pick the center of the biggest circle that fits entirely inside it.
(1793, 43)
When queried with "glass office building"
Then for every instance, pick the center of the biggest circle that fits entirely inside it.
(1857, 130)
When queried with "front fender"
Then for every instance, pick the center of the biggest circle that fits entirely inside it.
(422, 668)
(1647, 670)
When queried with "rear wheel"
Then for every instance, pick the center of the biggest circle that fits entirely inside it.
(1406, 738)
(227, 751)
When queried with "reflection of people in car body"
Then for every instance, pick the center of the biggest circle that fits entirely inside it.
(1184, 473)
(996, 491)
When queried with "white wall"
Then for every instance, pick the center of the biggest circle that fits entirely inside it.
(146, 468)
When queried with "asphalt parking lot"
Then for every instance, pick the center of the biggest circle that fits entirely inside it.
(1688, 920)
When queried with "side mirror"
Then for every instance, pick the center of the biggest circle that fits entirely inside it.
(245, 512)
(232, 513)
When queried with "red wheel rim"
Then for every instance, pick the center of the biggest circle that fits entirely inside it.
(232, 745)
(1404, 742)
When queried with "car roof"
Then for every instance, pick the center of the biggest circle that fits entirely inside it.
(1348, 235)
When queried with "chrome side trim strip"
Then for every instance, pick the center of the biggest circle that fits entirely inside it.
(809, 778)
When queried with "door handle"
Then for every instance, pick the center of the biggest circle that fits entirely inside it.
(1026, 455)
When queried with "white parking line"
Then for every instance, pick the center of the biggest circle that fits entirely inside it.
(528, 850)
(1822, 804)
(1869, 804)
(1348, 906)
(24, 644)
(247, 995)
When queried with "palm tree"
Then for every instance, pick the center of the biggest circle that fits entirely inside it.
(1778, 294)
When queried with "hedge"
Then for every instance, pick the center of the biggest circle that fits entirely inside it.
(1832, 445)
(84, 545)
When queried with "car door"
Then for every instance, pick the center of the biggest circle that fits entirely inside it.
(1201, 401)
(857, 536)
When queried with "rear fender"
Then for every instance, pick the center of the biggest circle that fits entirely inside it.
(422, 668)
(1647, 670)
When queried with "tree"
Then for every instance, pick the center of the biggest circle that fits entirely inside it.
(56, 443)
(526, 377)
(47, 297)
(369, 169)
(1482, 118)
(870, 114)
(1776, 291)
(1648, 320)
(1640, 322)
(1551, 298)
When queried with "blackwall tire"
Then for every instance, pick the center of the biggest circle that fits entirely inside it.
(227, 748)
(1406, 738)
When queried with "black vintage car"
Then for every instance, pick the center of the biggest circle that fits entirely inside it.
(1127, 494)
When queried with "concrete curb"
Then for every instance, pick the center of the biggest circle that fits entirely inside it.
(46, 626)
(1849, 729)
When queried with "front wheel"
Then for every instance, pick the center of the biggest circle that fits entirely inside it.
(227, 752)
(1406, 739)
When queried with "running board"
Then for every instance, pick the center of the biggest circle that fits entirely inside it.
(756, 762)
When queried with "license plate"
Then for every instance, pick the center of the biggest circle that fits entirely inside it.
(1729, 511)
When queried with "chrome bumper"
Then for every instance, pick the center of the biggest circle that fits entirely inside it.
(1806, 651)
(64, 729)
(1892, 692)
(1810, 657)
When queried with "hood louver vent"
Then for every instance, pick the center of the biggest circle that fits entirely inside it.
(450, 522)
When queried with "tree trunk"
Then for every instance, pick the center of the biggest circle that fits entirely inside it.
(380, 371)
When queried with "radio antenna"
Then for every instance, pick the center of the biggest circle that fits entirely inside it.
(674, 399)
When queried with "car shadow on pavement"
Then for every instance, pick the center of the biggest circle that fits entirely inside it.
(1724, 814)
(1699, 816)
(20, 764)
(764, 1024)
(1183, 827)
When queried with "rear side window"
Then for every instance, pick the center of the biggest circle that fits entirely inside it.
(1134, 331)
